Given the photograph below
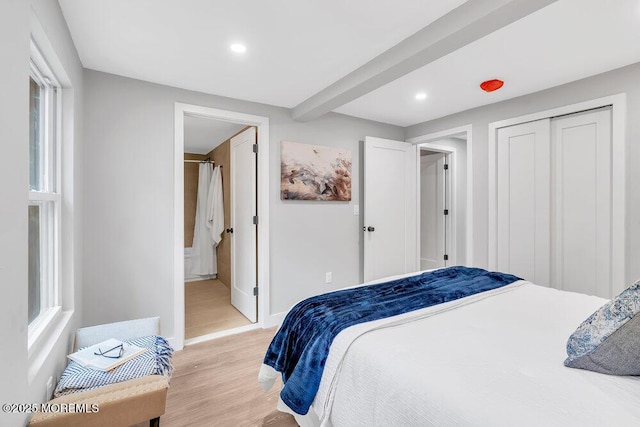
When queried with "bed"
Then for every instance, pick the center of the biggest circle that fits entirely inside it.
(494, 357)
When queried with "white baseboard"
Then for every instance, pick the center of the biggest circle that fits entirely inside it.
(274, 320)
(173, 342)
(271, 321)
(221, 334)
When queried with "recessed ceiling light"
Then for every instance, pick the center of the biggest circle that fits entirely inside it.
(420, 96)
(238, 48)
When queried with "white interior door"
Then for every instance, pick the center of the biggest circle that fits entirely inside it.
(432, 206)
(390, 208)
(523, 201)
(244, 235)
(582, 219)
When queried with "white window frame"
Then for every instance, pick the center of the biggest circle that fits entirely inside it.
(50, 248)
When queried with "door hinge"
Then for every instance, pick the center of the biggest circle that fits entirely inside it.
(255, 291)
(446, 211)
(446, 257)
(255, 220)
(446, 167)
(255, 148)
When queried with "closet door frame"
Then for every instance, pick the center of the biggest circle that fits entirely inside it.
(618, 105)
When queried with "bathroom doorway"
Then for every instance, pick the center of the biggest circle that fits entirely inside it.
(208, 270)
(217, 294)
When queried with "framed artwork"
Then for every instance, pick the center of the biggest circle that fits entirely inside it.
(314, 172)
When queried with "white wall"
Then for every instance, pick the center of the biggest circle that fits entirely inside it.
(623, 80)
(14, 127)
(128, 220)
(24, 380)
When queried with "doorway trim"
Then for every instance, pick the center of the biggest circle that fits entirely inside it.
(262, 123)
(451, 157)
(618, 105)
(427, 141)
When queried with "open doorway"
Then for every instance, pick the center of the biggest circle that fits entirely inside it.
(445, 211)
(217, 159)
(435, 203)
(208, 259)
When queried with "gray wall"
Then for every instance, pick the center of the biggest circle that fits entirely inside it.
(14, 126)
(623, 80)
(128, 217)
(23, 379)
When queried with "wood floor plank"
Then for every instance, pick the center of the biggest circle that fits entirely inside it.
(208, 309)
(215, 383)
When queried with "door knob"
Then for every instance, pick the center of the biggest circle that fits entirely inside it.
(370, 229)
(230, 230)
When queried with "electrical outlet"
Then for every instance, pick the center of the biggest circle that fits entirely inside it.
(327, 277)
(49, 388)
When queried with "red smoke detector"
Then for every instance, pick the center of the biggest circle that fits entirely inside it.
(491, 85)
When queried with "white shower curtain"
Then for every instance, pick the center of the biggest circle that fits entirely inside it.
(203, 258)
(215, 207)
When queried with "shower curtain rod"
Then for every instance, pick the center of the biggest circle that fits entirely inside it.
(207, 160)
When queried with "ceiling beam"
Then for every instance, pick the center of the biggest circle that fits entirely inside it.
(460, 27)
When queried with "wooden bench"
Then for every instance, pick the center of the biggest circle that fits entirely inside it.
(121, 404)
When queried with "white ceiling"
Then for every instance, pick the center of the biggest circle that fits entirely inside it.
(203, 134)
(297, 48)
(566, 41)
(294, 48)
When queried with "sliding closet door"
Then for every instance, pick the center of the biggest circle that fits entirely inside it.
(581, 163)
(523, 201)
(553, 202)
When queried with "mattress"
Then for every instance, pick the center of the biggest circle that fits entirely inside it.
(490, 359)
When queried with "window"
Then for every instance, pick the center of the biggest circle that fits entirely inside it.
(44, 193)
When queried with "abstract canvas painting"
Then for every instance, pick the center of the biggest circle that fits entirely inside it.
(314, 172)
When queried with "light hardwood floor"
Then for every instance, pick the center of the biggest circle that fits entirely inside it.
(208, 309)
(215, 383)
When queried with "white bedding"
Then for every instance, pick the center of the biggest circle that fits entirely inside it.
(489, 359)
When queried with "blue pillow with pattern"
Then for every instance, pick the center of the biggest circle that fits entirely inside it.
(609, 340)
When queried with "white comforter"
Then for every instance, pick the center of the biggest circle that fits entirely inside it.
(492, 359)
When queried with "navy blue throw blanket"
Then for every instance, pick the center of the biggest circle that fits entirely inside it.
(301, 346)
